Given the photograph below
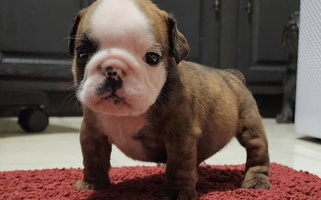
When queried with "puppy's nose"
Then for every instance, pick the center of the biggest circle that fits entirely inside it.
(113, 68)
(112, 82)
(111, 72)
(114, 77)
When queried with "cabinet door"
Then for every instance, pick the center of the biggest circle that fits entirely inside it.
(197, 21)
(260, 54)
(36, 27)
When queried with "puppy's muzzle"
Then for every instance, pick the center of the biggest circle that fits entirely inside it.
(112, 82)
(113, 79)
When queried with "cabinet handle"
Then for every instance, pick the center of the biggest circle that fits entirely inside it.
(217, 7)
(249, 10)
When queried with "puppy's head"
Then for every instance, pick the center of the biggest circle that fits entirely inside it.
(122, 50)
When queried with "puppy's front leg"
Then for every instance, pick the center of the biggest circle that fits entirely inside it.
(96, 152)
(181, 171)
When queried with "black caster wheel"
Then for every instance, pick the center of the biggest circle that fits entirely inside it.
(33, 120)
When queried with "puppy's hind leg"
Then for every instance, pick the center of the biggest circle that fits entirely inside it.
(252, 137)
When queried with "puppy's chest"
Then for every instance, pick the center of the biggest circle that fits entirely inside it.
(132, 135)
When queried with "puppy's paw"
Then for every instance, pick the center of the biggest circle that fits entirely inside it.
(257, 181)
(91, 186)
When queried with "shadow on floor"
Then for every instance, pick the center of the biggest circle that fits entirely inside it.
(311, 139)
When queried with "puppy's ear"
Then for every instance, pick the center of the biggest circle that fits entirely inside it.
(179, 47)
(73, 33)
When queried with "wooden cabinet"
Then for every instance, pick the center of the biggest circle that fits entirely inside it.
(33, 41)
(260, 54)
(198, 22)
(241, 34)
(36, 27)
(34, 61)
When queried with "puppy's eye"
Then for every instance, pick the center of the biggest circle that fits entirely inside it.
(83, 53)
(152, 58)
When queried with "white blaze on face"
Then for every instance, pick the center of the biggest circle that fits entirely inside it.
(124, 36)
(120, 22)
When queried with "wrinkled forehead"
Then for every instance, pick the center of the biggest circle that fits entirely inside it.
(117, 21)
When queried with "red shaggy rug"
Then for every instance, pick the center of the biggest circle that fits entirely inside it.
(135, 183)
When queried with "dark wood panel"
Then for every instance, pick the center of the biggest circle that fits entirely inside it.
(261, 56)
(228, 34)
(37, 26)
(187, 14)
(209, 34)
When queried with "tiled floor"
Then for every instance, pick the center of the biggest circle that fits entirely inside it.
(59, 147)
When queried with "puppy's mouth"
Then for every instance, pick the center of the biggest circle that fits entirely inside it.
(107, 91)
(113, 98)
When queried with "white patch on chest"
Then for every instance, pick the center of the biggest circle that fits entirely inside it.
(121, 131)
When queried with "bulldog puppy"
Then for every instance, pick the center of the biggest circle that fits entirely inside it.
(138, 93)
